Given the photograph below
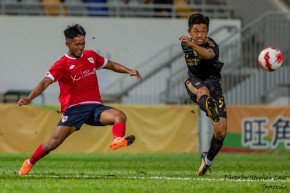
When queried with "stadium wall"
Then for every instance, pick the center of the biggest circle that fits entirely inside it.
(161, 128)
(158, 129)
(30, 45)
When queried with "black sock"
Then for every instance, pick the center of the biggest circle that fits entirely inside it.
(202, 101)
(215, 147)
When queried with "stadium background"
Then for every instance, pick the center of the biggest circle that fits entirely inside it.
(162, 120)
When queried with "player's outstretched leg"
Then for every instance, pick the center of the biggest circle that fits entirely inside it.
(122, 142)
(203, 167)
(28, 164)
(25, 168)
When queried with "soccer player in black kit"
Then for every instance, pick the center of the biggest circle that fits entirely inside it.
(203, 84)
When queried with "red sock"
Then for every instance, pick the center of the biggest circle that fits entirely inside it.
(37, 155)
(118, 130)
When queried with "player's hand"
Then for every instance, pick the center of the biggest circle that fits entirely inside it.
(187, 40)
(23, 101)
(135, 73)
(183, 38)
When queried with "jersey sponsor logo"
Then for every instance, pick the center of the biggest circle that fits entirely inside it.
(75, 78)
(72, 66)
(91, 60)
(83, 74)
(87, 73)
(64, 119)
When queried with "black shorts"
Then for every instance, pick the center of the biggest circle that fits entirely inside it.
(212, 83)
(76, 116)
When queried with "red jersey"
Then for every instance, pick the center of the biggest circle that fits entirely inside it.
(77, 79)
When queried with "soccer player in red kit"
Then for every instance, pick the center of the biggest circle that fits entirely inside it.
(80, 98)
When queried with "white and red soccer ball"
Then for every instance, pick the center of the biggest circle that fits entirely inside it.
(270, 58)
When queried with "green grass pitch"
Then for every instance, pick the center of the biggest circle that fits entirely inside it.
(146, 173)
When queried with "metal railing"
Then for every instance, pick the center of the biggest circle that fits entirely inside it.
(78, 8)
(153, 71)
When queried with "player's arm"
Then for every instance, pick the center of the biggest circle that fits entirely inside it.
(40, 87)
(116, 67)
(205, 53)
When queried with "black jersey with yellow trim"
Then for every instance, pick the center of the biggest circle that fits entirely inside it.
(199, 67)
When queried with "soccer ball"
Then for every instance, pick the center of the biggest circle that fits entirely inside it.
(270, 58)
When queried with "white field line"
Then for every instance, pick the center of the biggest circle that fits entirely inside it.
(163, 178)
(208, 179)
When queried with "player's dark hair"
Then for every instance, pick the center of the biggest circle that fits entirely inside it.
(73, 31)
(198, 18)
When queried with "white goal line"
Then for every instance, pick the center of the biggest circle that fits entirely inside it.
(157, 178)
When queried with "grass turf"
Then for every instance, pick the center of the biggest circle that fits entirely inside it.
(146, 173)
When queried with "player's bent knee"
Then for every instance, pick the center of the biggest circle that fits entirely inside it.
(202, 91)
(124, 117)
(121, 117)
